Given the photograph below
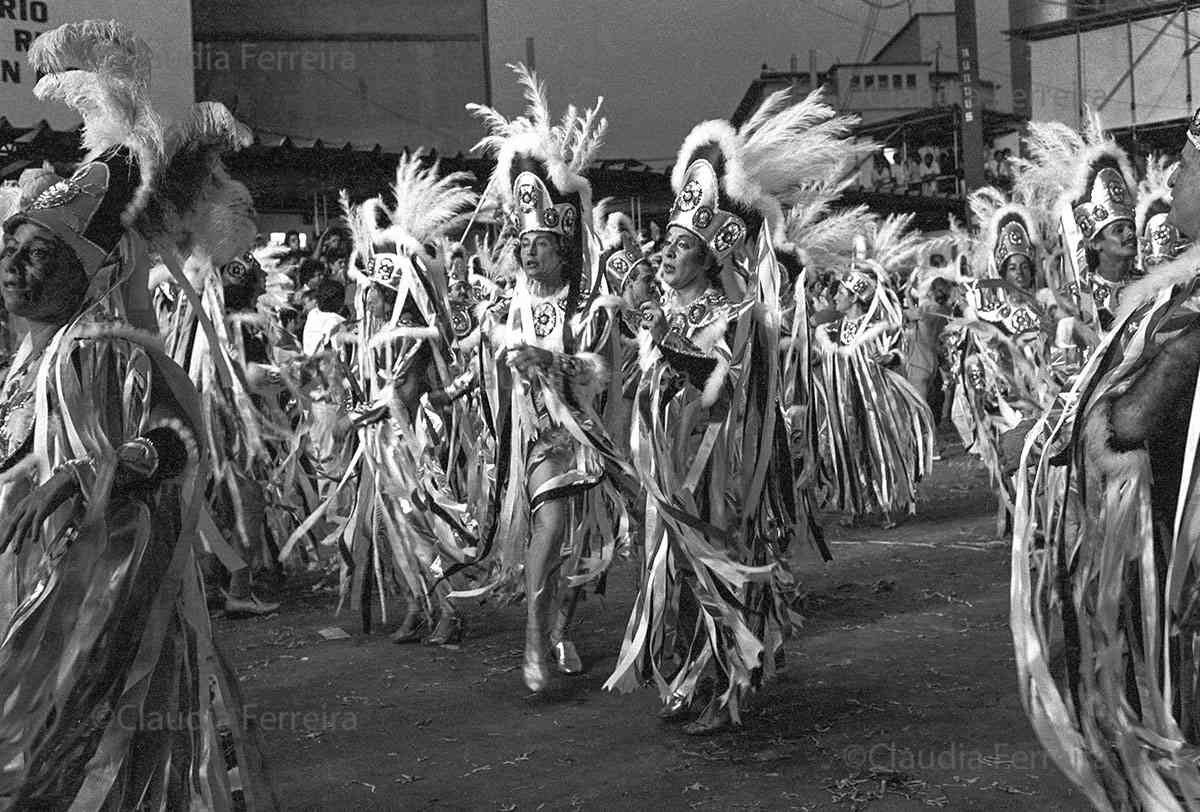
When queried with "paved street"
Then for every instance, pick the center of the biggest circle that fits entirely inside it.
(900, 693)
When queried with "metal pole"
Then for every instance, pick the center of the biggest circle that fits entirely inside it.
(1132, 86)
(972, 102)
(487, 52)
(1079, 74)
(1187, 55)
(530, 56)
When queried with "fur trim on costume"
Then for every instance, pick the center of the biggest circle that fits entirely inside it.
(1153, 193)
(715, 382)
(1097, 440)
(591, 379)
(1181, 270)
(1081, 184)
(118, 331)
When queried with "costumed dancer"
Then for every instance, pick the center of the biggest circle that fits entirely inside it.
(1159, 239)
(559, 515)
(710, 428)
(1003, 355)
(878, 431)
(402, 522)
(235, 376)
(104, 477)
(1086, 180)
(1104, 603)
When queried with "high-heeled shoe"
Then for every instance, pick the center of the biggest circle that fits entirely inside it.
(411, 629)
(567, 658)
(712, 720)
(676, 708)
(251, 605)
(536, 675)
(449, 630)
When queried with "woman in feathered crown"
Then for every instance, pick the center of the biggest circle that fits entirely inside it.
(559, 514)
(1104, 581)
(1159, 239)
(104, 476)
(710, 426)
(1003, 355)
(879, 430)
(402, 517)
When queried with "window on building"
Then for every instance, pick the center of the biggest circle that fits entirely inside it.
(869, 82)
(910, 81)
(855, 82)
(883, 82)
(897, 81)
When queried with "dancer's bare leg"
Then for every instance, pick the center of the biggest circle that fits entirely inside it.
(542, 561)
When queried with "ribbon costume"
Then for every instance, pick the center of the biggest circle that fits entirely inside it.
(878, 429)
(1104, 583)
(546, 357)
(104, 478)
(710, 437)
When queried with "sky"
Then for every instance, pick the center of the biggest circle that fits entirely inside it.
(665, 65)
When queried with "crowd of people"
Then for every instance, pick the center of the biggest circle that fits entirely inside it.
(437, 422)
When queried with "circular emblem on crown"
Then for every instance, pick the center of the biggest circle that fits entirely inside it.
(1116, 190)
(59, 194)
(702, 218)
(550, 217)
(460, 321)
(689, 196)
(728, 236)
(529, 196)
(568, 220)
(1099, 213)
(1086, 224)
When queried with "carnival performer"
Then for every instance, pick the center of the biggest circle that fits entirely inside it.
(560, 516)
(710, 426)
(104, 475)
(878, 429)
(1103, 602)
(1159, 239)
(1003, 355)
(402, 523)
(1086, 180)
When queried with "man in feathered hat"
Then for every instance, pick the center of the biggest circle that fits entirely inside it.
(1105, 545)
(1103, 209)
(98, 431)
(560, 515)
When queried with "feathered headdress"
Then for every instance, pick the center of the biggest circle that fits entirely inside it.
(169, 185)
(817, 235)
(1007, 229)
(728, 182)
(1158, 238)
(608, 224)
(1087, 171)
(389, 242)
(539, 164)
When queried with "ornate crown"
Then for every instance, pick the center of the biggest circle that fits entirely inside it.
(862, 285)
(697, 209)
(1012, 241)
(1161, 240)
(1108, 200)
(536, 210)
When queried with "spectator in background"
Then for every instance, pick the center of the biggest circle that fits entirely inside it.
(1004, 174)
(929, 174)
(291, 241)
(991, 167)
(881, 170)
(915, 170)
(330, 299)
